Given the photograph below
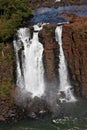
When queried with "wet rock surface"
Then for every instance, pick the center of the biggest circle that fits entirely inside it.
(50, 3)
(47, 38)
(75, 46)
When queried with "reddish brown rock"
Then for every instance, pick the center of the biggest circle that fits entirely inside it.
(75, 49)
(47, 35)
(40, 3)
(50, 3)
(69, 2)
(2, 118)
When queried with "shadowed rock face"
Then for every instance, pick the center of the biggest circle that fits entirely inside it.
(47, 37)
(49, 3)
(75, 49)
(39, 3)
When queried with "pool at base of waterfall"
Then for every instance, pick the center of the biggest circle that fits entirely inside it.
(72, 116)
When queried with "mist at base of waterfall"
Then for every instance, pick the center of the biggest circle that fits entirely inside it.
(32, 91)
(73, 118)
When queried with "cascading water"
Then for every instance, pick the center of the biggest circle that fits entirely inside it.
(29, 54)
(57, 0)
(65, 93)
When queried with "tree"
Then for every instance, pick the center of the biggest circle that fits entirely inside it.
(13, 14)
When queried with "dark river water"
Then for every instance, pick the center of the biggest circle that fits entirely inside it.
(73, 116)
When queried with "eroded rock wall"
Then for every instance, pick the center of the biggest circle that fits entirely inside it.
(75, 49)
(50, 58)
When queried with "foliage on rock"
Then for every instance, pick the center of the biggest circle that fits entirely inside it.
(6, 70)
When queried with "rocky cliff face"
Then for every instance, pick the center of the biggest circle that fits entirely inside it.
(50, 58)
(6, 79)
(49, 3)
(8, 109)
(75, 49)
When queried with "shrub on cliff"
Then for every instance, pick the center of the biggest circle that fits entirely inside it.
(13, 14)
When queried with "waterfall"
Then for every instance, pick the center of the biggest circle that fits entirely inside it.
(57, 0)
(29, 62)
(65, 92)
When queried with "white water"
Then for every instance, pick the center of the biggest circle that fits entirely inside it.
(57, 0)
(65, 92)
(30, 76)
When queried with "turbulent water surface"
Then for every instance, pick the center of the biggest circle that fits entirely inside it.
(72, 117)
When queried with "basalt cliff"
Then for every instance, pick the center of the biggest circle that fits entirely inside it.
(75, 50)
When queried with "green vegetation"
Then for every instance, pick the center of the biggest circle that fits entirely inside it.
(13, 14)
(5, 88)
(6, 69)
